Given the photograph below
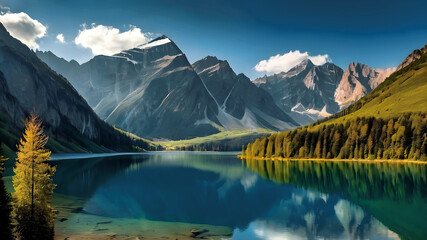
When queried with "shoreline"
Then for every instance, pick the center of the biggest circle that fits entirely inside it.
(74, 156)
(400, 161)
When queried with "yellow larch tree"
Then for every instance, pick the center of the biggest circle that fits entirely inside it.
(32, 212)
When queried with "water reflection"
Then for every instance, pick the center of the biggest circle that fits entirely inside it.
(303, 200)
(394, 193)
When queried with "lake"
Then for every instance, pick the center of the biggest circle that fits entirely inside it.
(182, 195)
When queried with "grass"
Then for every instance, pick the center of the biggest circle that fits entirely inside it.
(222, 137)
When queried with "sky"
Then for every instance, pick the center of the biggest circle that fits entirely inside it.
(255, 37)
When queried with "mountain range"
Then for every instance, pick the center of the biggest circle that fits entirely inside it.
(28, 85)
(153, 91)
(308, 92)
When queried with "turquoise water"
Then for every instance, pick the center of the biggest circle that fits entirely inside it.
(167, 195)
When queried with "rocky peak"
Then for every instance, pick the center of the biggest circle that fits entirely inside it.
(212, 64)
(260, 80)
(305, 64)
(156, 49)
(415, 55)
(357, 81)
(361, 70)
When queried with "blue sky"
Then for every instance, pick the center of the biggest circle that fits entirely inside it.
(378, 33)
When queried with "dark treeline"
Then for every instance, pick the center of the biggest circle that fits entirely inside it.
(360, 138)
(5, 204)
(210, 146)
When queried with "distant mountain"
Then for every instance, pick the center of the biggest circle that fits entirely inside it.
(241, 105)
(306, 92)
(415, 55)
(153, 91)
(27, 84)
(357, 81)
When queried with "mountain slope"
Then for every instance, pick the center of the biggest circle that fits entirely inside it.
(241, 105)
(388, 123)
(306, 92)
(27, 84)
(60, 65)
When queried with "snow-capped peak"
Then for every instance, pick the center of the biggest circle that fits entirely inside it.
(155, 43)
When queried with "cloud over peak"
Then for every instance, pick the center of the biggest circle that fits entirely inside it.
(24, 28)
(107, 40)
(60, 38)
(283, 63)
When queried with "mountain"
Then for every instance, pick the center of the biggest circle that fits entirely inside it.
(306, 92)
(241, 104)
(388, 123)
(415, 55)
(357, 81)
(27, 85)
(150, 90)
(153, 91)
(60, 65)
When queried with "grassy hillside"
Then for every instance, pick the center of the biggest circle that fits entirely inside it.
(388, 123)
(223, 141)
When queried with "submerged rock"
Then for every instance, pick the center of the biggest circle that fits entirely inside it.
(197, 232)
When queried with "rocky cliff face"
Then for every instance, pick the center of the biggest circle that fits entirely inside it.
(36, 87)
(416, 54)
(241, 105)
(306, 92)
(28, 84)
(357, 81)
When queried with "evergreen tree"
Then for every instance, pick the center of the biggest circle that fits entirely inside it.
(5, 206)
(33, 184)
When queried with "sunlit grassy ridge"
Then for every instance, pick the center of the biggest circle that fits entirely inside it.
(134, 137)
(225, 140)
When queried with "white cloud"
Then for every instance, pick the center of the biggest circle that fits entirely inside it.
(24, 28)
(107, 40)
(283, 63)
(60, 38)
(4, 9)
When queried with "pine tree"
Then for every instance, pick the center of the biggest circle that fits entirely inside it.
(5, 206)
(33, 184)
